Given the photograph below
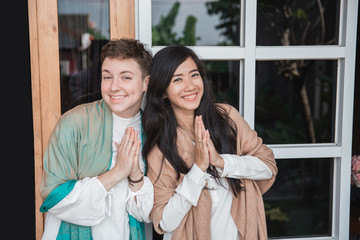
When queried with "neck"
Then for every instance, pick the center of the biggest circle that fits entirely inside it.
(185, 119)
(127, 115)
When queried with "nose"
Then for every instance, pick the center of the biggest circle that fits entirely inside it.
(189, 86)
(115, 85)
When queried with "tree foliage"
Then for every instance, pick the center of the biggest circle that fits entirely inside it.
(163, 34)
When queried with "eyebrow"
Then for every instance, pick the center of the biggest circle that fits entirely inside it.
(180, 74)
(126, 72)
(105, 70)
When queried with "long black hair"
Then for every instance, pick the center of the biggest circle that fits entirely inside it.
(160, 124)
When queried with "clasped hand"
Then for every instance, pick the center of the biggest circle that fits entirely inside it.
(127, 162)
(205, 150)
(127, 158)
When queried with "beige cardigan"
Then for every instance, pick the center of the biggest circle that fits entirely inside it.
(247, 208)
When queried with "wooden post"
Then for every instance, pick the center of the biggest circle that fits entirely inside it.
(45, 83)
(122, 18)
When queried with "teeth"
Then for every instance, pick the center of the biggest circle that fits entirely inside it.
(118, 97)
(191, 96)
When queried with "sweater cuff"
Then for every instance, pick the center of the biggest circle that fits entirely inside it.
(193, 183)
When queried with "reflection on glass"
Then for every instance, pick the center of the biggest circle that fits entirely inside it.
(295, 101)
(83, 30)
(300, 201)
(195, 23)
(292, 22)
(223, 77)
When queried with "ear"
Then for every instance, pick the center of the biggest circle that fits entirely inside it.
(146, 82)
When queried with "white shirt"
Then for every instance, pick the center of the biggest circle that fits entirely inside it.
(188, 193)
(89, 204)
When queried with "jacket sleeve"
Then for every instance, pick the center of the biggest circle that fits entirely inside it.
(249, 143)
(87, 204)
(140, 203)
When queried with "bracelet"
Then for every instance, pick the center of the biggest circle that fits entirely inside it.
(135, 181)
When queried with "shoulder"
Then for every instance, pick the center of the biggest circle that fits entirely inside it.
(96, 107)
(81, 114)
(227, 108)
(79, 118)
(230, 111)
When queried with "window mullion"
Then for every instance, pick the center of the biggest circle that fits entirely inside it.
(250, 62)
(347, 109)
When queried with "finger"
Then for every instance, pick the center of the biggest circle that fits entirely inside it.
(208, 140)
(211, 143)
(196, 125)
(136, 141)
(123, 144)
(130, 141)
(132, 150)
(204, 139)
(198, 131)
(202, 129)
(125, 138)
(137, 150)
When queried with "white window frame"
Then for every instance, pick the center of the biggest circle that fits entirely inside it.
(248, 53)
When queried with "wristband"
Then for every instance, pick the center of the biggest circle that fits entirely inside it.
(135, 181)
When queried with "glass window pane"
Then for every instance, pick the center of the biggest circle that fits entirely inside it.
(295, 101)
(223, 77)
(195, 23)
(84, 27)
(300, 201)
(297, 22)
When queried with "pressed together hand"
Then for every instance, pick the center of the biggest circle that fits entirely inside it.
(127, 161)
(205, 151)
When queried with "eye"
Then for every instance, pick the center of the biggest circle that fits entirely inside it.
(126, 77)
(107, 77)
(177, 80)
(195, 75)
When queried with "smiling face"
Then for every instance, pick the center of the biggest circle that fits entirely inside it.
(186, 87)
(122, 86)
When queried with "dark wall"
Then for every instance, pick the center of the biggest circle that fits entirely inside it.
(356, 119)
(17, 168)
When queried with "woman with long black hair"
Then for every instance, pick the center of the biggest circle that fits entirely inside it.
(208, 168)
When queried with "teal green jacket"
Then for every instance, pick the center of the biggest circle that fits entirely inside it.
(79, 147)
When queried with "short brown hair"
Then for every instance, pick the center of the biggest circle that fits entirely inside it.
(125, 48)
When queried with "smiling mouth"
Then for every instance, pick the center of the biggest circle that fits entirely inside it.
(191, 97)
(118, 97)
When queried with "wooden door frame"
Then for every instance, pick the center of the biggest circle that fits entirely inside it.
(45, 74)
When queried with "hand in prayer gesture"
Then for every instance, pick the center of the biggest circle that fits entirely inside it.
(127, 161)
(205, 150)
(128, 150)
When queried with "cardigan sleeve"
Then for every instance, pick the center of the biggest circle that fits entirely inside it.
(164, 185)
(249, 143)
(244, 167)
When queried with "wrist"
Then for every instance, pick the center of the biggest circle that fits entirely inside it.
(136, 175)
(203, 167)
(220, 163)
(117, 174)
(110, 178)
